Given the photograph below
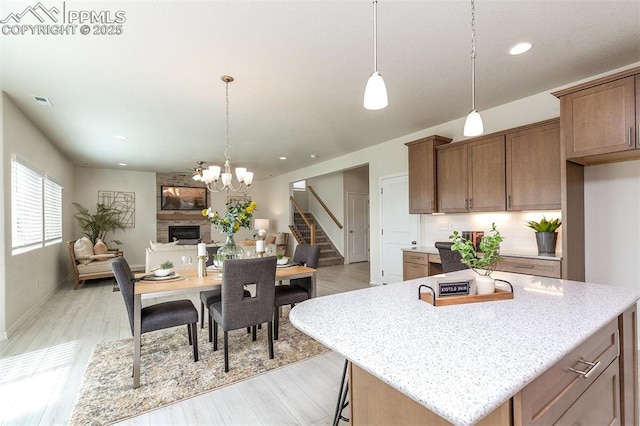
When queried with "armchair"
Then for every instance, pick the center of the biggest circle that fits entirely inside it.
(86, 264)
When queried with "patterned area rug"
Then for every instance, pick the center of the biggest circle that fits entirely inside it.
(169, 374)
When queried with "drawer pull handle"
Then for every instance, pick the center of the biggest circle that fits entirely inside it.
(587, 374)
(523, 266)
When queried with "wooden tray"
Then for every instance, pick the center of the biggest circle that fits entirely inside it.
(459, 300)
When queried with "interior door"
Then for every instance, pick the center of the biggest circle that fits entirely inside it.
(358, 227)
(399, 228)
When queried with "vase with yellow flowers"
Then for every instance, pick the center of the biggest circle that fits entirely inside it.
(238, 215)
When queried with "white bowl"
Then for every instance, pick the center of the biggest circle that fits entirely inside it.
(162, 272)
(283, 261)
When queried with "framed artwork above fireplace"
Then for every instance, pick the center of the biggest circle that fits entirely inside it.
(183, 198)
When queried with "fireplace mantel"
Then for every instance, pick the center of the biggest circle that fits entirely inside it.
(179, 216)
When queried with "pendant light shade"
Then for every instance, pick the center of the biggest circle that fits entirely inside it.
(375, 93)
(473, 124)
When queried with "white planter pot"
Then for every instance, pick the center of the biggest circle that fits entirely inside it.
(485, 284)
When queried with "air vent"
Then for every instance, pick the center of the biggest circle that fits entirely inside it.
(41, 100)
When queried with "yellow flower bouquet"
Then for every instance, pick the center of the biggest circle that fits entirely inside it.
(238, 215)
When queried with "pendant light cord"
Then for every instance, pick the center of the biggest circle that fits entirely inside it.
(473, 55)
(375, 36)
(226, 150)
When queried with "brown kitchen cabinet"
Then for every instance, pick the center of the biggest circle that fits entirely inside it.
(533, 168)
(422, 173)
(471, 176)
(600, 119)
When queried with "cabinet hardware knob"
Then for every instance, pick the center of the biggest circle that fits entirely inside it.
(586, 374)
(470, 203)
(413, 243)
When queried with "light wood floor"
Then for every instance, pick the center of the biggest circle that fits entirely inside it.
(43, 363)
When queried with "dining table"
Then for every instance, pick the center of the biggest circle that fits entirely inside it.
(186, 281)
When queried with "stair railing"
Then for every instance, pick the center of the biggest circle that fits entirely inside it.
(312, 227)
(324, 206)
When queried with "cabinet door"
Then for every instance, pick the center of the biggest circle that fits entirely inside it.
(600, 119)
(452, 179)
(422, 174)
(487, 175)
(533, 169)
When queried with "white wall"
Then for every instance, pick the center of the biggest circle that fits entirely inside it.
(48, 266)
(330, 189)
(3, 239)
(143, 185)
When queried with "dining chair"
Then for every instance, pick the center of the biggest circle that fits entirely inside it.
(235, 310)
(298, 289)
(160, 315)
(451, 260)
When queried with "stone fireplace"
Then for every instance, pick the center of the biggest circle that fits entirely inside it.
(184, 232)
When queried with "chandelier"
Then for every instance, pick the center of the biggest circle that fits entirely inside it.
(212, 176)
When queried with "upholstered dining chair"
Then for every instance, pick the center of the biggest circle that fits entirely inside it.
(299, 289)
(160, 315)
(450, 259)
(235, 310)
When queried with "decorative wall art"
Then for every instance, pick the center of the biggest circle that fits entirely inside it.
(123, 201)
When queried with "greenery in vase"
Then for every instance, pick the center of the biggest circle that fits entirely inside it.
(489, 246)
(545, 225)
(97, 226)
(238, 215)
(166, 265)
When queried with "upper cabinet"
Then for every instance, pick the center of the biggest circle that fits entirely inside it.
(533, 168)
(471, 176)
(600, 119)
(422, 173)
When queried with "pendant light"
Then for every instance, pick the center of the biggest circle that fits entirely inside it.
(473, 125)
(375, 94)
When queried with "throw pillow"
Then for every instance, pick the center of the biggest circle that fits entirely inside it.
(162, 246)
(280, 238)
(270, 240)
(83, 250)
(100, 247)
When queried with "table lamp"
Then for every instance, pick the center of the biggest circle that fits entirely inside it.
(261, 225)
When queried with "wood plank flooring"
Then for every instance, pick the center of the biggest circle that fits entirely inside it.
(43, 363)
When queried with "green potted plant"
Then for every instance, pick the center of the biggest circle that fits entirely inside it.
(166, 268)
(97, 225)
(483, 264)
(546, 235)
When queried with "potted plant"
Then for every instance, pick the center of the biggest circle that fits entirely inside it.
(97, 226)
(166, 268)
(483, 264)
(546, 235)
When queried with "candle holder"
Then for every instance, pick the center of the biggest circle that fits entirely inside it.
(202, 266)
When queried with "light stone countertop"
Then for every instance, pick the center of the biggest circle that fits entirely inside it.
(461, 361)
(527, 254)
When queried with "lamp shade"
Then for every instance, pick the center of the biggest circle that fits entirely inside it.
(375, 93)
(261, 224)
(473, 124)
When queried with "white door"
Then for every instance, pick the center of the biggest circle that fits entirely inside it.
(358, 227)
(399, 228)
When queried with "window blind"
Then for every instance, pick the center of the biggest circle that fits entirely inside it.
(26, 207)
(52, 212)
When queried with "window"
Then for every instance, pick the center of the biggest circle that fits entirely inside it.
(36, 208)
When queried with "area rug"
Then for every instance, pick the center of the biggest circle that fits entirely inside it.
(169, 374)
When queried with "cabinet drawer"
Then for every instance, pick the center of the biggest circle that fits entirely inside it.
(540, 267)
(411, 271)
(549, 396)
(412, 257)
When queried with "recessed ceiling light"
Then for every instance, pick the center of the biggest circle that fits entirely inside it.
(313, 156)
(520, 48)
(283, 158)
(41, 100)
(121, 137)
(122, 164)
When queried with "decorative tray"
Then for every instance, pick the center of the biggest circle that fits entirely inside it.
(430, 298)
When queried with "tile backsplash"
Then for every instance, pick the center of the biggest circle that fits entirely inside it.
(518, 237)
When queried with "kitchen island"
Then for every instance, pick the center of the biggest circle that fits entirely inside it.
(462, 363)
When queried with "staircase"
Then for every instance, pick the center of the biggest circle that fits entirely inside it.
(328, 253)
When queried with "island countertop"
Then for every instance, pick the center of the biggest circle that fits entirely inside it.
(461, 361)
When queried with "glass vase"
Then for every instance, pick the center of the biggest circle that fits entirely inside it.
(229, 250)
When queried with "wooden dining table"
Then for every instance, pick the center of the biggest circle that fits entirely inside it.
(187, 282)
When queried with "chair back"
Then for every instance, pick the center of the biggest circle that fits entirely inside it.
(125, 280)
(307, 255)
(451, 260)
(239, 311)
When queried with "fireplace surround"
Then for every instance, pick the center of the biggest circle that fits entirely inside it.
(184, 232)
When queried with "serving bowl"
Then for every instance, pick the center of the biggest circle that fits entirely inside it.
(283, 260)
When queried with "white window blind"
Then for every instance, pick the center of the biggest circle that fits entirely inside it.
(26, 207)
(52, 212)
(36, 208)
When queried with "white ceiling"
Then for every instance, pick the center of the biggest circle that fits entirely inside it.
(300, 70)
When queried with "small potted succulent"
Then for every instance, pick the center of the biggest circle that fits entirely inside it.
(166, 268)
(546, 235)
(483, 264)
